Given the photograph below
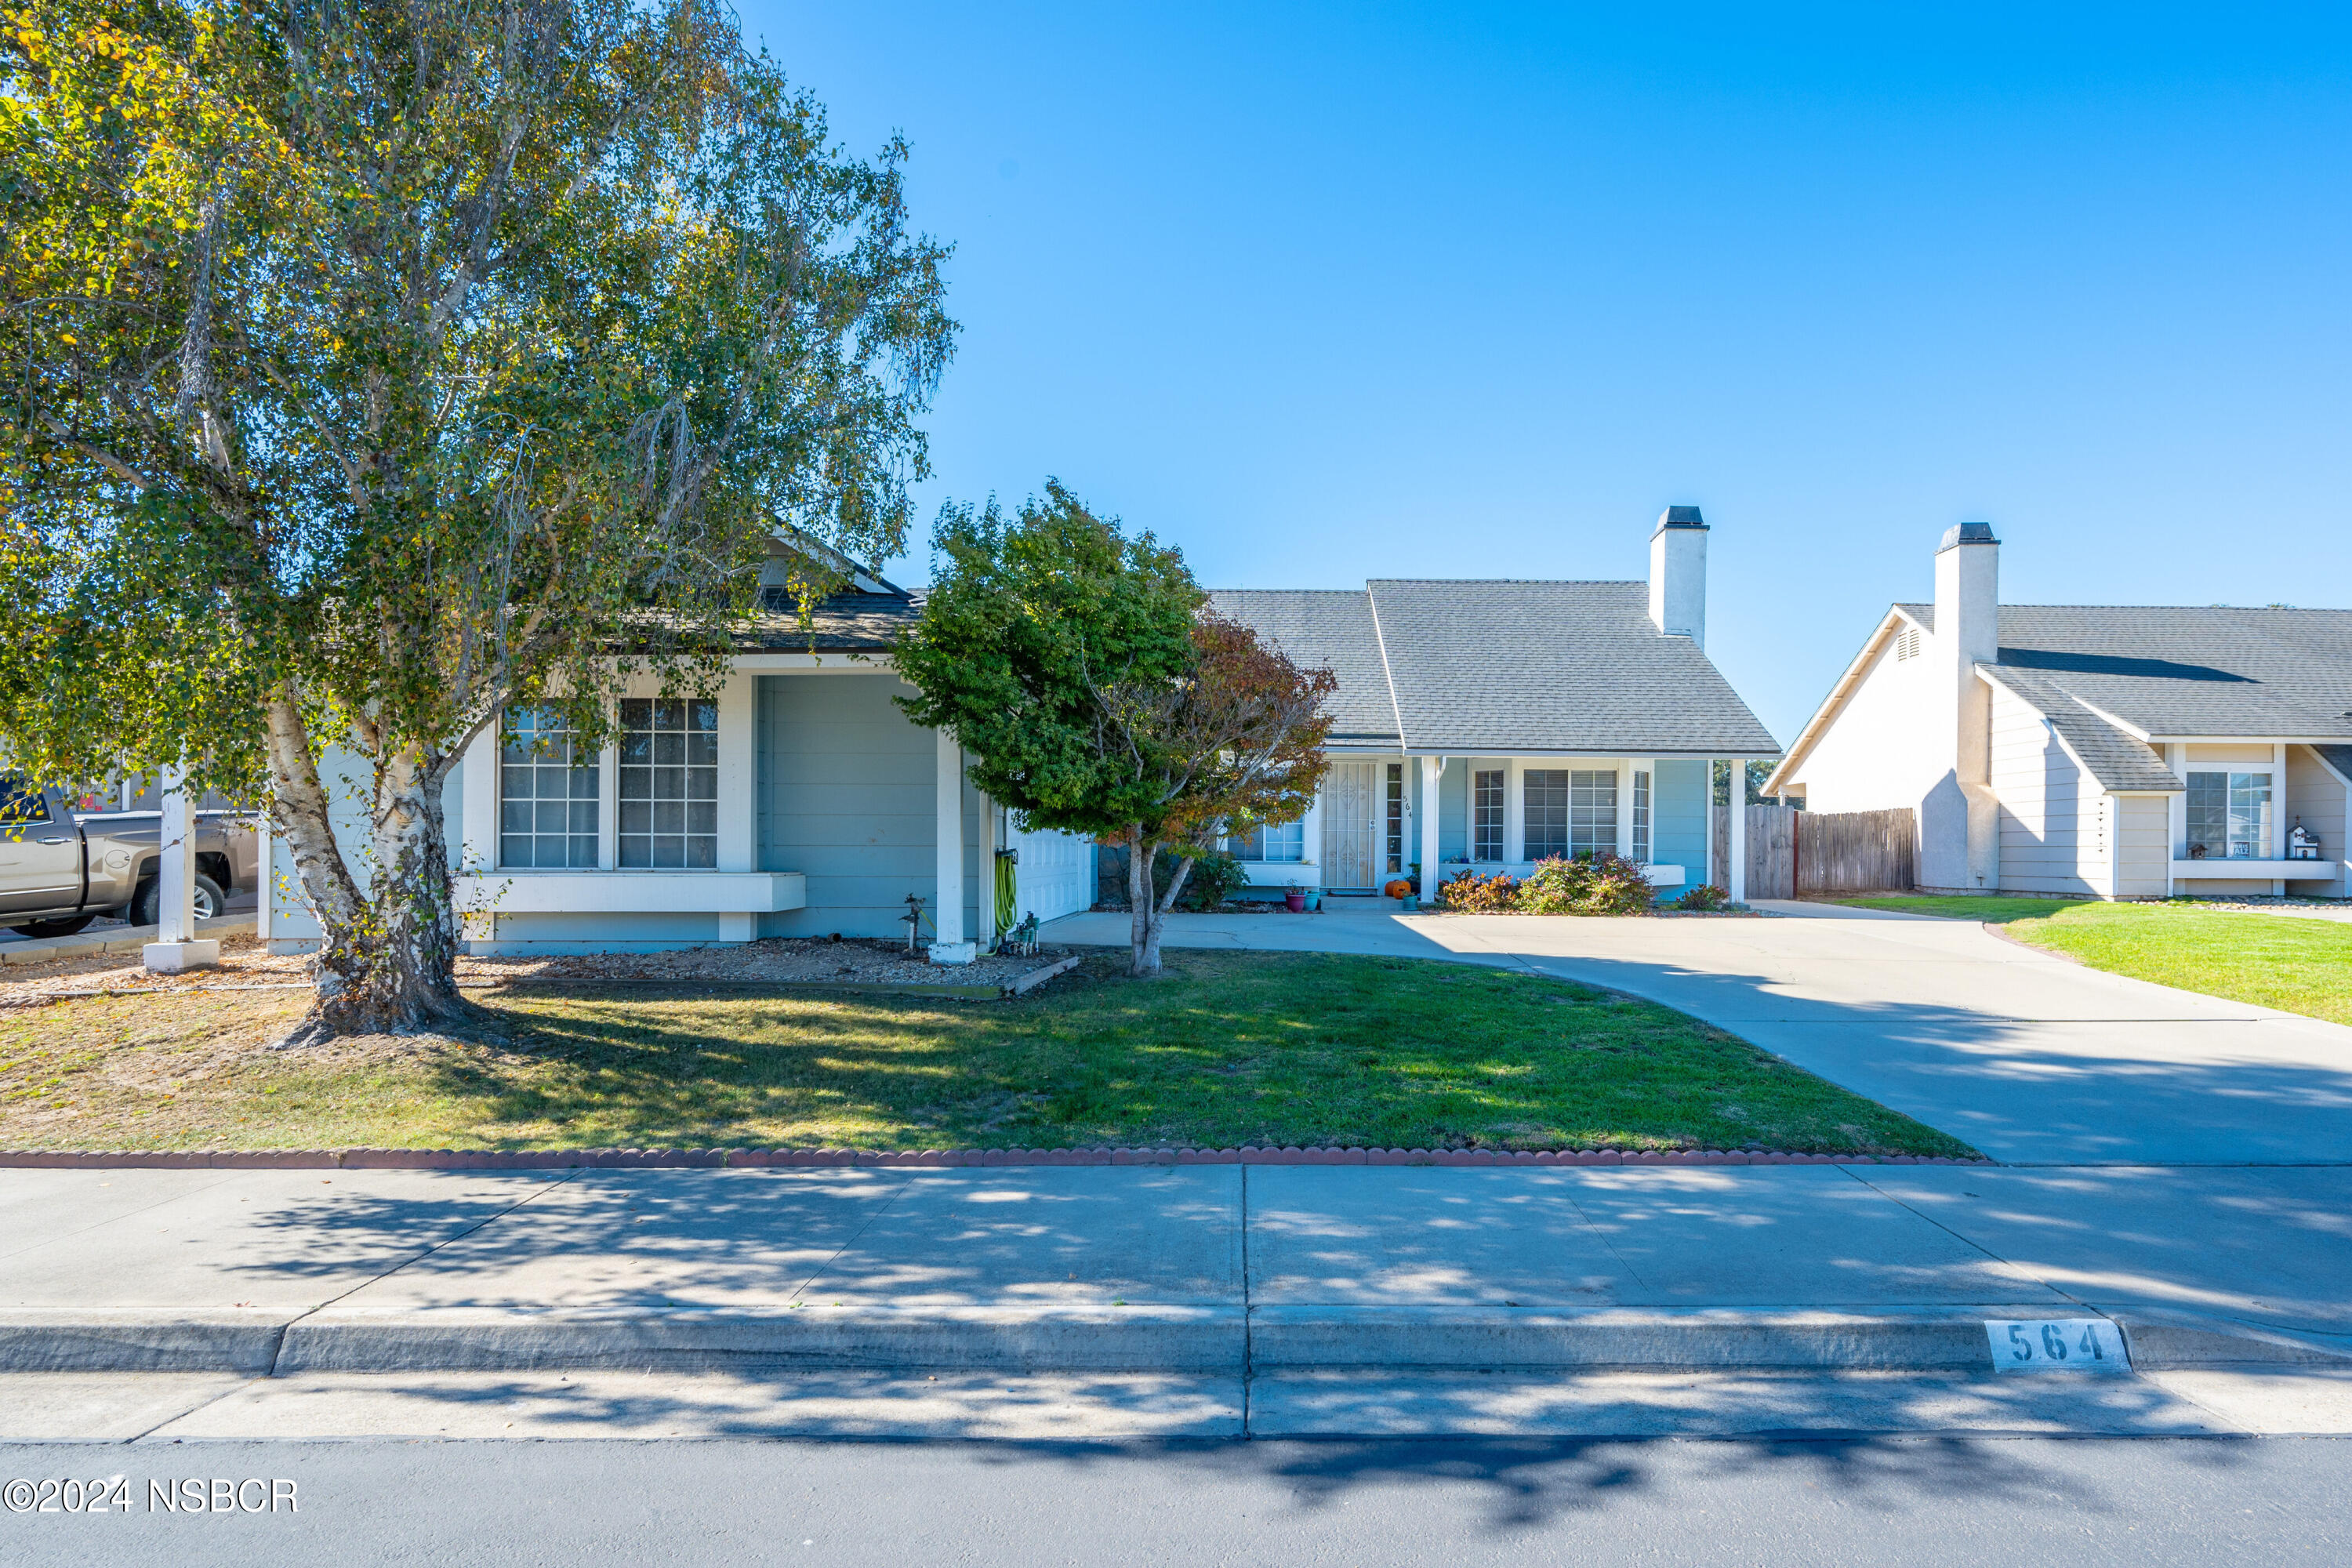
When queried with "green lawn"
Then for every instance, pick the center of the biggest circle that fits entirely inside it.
(2294, 964)
(1225, 1049)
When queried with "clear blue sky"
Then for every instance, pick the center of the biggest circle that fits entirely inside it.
(1327, 291)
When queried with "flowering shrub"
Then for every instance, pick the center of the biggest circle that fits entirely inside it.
(1705, 897)
(1474, 894)
(1617, 888)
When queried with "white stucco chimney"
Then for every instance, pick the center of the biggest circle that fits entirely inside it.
(1678, 574)
(1959, 818)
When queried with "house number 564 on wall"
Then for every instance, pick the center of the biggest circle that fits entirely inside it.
(2056, 1344)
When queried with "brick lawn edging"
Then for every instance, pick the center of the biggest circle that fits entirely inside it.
(930, 1159)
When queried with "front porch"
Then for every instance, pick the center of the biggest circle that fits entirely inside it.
(1381, 817)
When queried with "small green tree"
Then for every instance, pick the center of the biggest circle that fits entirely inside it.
(1100, 696)
(375, 369)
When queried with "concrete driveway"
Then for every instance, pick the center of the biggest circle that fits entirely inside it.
(2028, 1055)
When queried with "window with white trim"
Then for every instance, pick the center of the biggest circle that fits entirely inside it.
(1640, 817)
(669, 783)
(1280, 841)
(1543, 824)
(1592, 811)
(547, 794)
(2230, 814)
(1487, 814)
(1393, 817)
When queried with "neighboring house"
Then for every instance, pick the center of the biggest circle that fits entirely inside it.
(1494, 724)
(2118, 752)
(799, 802)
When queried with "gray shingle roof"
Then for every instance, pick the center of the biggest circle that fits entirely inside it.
(1505, 667)
(864, 623)
(2337, 757)
(2189, 669)
(1318, 627)
(2117, 761)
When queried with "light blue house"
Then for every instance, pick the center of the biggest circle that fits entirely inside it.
(1541, 717)
(1493, 724)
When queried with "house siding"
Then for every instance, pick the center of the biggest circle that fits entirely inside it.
(2143, 833)
(1679, 819)
(2054, 822)
(1454, 811)
(2315, 796)
(1881, 750)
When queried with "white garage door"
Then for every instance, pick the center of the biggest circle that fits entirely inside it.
(1056, 874)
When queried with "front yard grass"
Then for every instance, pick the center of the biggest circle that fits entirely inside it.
(1225, 1050)
(2295, 964)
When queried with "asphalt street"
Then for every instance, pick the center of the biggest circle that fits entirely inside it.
(1951, 1502)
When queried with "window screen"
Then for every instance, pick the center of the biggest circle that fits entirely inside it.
(1544, 826)
(1592, 811)
(669, 783)
(1487, 814)
(547, 794)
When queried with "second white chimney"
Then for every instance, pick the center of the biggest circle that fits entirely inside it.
(1678, 574)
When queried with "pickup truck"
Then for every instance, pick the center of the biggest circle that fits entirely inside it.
(62, 867)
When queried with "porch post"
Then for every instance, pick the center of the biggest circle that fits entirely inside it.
(1736, 874)
(175, 947)
(2176, 813)
(1433, 769)
(946, 905)
(2278, 811)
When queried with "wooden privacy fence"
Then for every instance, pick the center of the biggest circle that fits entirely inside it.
(1797, 853)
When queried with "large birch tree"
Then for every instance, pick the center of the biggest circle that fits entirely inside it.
(375, 369)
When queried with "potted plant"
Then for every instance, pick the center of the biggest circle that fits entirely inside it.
(1294, 897)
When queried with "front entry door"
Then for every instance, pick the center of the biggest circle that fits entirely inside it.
(1351, 805)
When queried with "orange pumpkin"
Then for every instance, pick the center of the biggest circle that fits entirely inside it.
(1398, 888)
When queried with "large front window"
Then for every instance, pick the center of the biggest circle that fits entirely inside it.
(547, 794)
(1544, 825)
(669, 782)
(2230, 816)
(1273, 841)
(1592, 811)
(1487, 814)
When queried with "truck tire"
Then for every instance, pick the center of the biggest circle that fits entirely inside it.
(147, 904)
(64, 927)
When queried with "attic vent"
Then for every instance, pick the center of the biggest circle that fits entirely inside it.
(1907, 645)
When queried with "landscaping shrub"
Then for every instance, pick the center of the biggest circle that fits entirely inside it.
(1216, 877)
(1557, 887)
(1470, 893)
(1705, 896)
(1587, 885)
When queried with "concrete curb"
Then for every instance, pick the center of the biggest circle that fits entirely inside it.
(1147, 1337)
(99, 1339)
(928, 1159)
(1625, 1338)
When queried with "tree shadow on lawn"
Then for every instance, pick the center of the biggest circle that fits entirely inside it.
(1255, 1049)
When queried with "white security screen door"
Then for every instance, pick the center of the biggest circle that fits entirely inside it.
(1352, 805)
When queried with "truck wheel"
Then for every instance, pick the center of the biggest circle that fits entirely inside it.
(66, 927)
(147, 904)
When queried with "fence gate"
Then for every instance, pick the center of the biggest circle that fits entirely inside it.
(1797, 853)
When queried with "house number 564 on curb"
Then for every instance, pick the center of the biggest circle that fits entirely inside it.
(2056, 1344)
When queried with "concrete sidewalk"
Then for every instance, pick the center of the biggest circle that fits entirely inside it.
(2028, 1055)
(1351, 1297)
